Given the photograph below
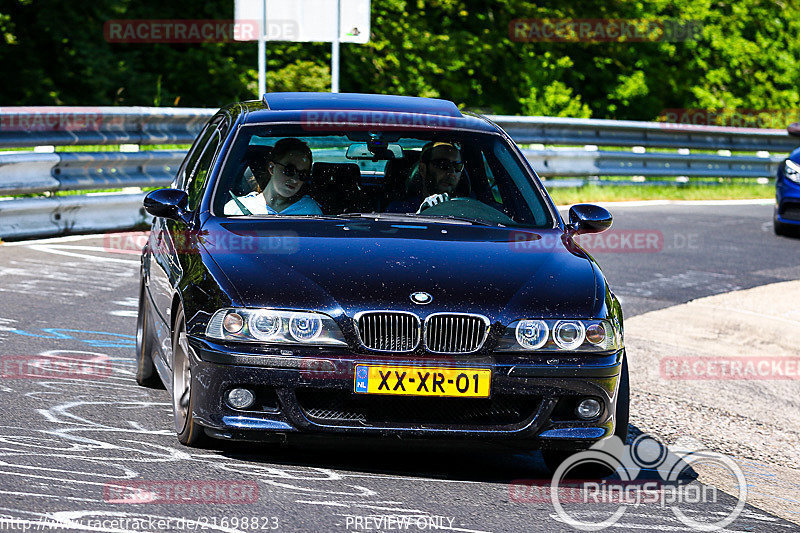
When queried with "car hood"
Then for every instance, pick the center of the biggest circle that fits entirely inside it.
(348, 267)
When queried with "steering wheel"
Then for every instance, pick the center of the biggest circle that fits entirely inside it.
(465, 207)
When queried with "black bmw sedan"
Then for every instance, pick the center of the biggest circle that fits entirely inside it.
(380, 266)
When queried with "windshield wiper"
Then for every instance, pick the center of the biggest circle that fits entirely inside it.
(476, 221)
(420, 218)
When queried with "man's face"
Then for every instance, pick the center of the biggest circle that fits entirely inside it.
(285, 178)
(445, 168)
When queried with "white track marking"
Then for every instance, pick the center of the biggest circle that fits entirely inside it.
(71, 238)
(50, 249)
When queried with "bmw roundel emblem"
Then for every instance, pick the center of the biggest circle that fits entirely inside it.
(421, 298)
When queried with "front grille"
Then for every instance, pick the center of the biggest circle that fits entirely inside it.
(336, 407)
(455, 333)
(388, 331)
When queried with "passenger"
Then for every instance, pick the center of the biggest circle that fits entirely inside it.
(437, 176)
(288, 170)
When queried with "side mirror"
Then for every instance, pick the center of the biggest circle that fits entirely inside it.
(167, 203)
(588, 218)
(794, 129)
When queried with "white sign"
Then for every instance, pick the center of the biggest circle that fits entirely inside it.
(308, 20)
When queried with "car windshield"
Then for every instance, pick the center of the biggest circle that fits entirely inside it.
(453, 176)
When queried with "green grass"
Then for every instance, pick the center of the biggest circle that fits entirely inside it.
(725, 191)
(115, 148)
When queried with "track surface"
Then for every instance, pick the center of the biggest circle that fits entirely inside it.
(62, 441)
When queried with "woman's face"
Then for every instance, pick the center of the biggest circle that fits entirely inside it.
(283, 184)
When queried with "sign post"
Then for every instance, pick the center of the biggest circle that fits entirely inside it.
(335, 49)
(262, 51)
(334, 21)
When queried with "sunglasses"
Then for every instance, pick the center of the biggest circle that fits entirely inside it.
(447, 165)
(291, 171)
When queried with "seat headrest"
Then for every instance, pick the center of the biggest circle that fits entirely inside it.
(340, 174)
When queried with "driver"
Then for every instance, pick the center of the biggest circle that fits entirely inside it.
(287, 172)
(439, 171)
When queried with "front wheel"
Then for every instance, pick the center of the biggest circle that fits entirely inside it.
(784, 230)
(188, 431)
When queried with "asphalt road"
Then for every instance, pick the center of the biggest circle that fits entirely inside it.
(65, 443)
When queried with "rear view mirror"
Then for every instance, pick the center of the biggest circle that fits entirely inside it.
(361, 151)
(588, 218)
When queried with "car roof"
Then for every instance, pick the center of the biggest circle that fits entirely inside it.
(338, 108)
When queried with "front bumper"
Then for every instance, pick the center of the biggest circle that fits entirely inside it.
(787, 197)
(532, 400)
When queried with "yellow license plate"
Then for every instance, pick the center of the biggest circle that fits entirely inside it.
(423, 381)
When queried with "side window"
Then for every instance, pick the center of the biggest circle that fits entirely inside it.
(197, 177)
(194, 154)
(491, 180)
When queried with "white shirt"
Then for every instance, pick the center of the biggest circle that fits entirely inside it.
(257, 205)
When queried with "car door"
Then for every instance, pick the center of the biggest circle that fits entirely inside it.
(168, 238)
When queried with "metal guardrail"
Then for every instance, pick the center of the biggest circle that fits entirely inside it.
(38, 217)
(600, 132)
(61, 126)
(550, 163)
(30, 173)
(36, 172)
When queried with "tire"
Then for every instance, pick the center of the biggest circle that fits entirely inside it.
(553, 458)
(623, 403)
(146, 374)
(189, 432)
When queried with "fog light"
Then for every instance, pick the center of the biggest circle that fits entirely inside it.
(240, 398)
(588, 408)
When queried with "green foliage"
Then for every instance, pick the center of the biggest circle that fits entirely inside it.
(745, 57)
(299, 76)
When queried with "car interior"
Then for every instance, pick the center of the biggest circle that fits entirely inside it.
(370, 177)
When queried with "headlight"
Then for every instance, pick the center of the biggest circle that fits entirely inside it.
(546, 335)
(791, 170)
(274, 326)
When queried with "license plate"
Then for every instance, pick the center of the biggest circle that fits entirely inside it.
(423, 381)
